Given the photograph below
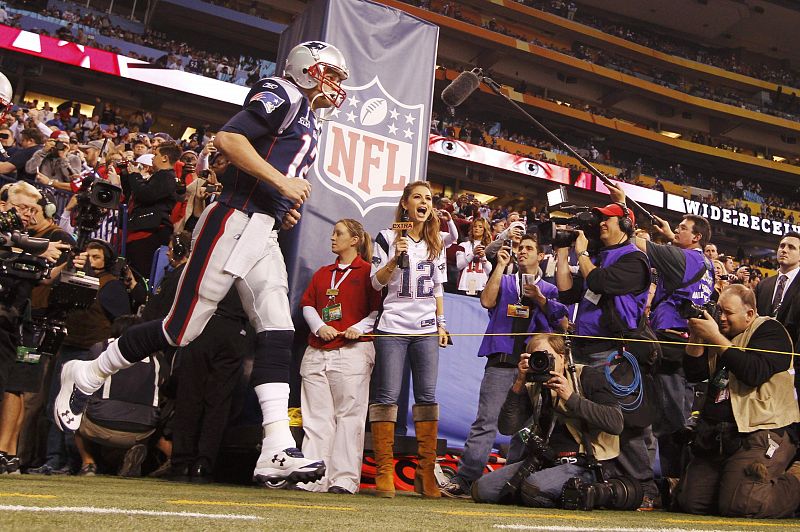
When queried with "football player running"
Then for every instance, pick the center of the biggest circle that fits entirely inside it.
(271, 143)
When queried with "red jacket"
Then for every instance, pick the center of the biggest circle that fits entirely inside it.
(356, 295)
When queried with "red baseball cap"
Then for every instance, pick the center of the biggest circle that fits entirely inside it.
(615, 209)
(59, 135)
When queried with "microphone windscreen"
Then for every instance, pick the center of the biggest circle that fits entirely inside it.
(460, 88)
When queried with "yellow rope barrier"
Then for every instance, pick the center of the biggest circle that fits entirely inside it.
(613, 338)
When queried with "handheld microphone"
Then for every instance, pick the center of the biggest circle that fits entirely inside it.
(403, 225)
(462, 87)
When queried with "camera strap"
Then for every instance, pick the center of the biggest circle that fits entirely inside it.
(699, 275)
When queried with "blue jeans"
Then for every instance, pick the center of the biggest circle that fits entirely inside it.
(494, 388)
(549, 481)
(390, 356)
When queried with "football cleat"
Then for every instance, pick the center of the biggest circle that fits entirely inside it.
(276, 468)
(70, 401)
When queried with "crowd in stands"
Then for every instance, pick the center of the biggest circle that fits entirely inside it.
(668, 43)
(784, 107)
(80, 25)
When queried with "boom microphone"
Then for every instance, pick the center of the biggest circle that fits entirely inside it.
(461, 88)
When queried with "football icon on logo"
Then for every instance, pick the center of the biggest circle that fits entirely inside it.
(373, 111)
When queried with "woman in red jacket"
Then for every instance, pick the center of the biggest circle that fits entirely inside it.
(340, 306)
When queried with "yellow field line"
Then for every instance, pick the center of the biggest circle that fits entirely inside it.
(729, 522)
(265, 505)
(26, 495)
(571, 517)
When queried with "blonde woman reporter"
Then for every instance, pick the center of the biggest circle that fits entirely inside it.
(413, 305)
(340, 306)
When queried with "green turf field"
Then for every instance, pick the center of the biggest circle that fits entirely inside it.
(110, 503)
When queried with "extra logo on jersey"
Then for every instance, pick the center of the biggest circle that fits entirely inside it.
(269, 100)
(372, 147)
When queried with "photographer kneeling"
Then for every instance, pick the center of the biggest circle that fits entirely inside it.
(592, 413)
(744, 440)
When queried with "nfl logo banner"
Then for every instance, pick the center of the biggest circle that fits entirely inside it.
(377, 141)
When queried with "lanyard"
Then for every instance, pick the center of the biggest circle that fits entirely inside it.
(335, 285)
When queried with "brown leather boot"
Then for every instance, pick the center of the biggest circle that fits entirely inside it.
(426, 422)
(382, 419)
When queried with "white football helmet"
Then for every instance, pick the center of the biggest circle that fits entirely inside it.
(6, 93)
(308, 63)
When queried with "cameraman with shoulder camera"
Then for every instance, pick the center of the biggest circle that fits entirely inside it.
(685, 278)
(85, 327)
(744, 440)
(546, 393)
(611, 292)
(517, 304)
(20, 201)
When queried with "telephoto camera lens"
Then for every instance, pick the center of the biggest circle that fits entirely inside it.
(619, 493)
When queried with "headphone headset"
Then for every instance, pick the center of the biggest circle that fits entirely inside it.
(179, 247)
(48, 204)
(625, 222)
(109, 256)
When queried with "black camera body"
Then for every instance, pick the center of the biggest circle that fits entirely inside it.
(562, 232)
(14, 266)
(540, 364)
(93, 200)
(688, 310)
(615, 493)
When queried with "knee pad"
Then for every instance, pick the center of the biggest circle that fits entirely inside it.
(142, 340)
(273, 356)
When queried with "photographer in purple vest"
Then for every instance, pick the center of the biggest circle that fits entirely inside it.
(611, 291)
(685, 275)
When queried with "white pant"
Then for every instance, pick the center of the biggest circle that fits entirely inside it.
(228, 248)
(334, 401)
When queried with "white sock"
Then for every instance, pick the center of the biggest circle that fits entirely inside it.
(274, 400)
(91, 376)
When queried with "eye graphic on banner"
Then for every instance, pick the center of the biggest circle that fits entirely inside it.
(507, 161)
(372, 147)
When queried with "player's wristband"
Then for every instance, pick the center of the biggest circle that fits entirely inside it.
(441, 322)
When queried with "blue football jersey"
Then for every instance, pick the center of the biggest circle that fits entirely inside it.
(278, 121)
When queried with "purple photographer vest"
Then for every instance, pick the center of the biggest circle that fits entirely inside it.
(499, 322)
(629, 307)
(665, 314)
